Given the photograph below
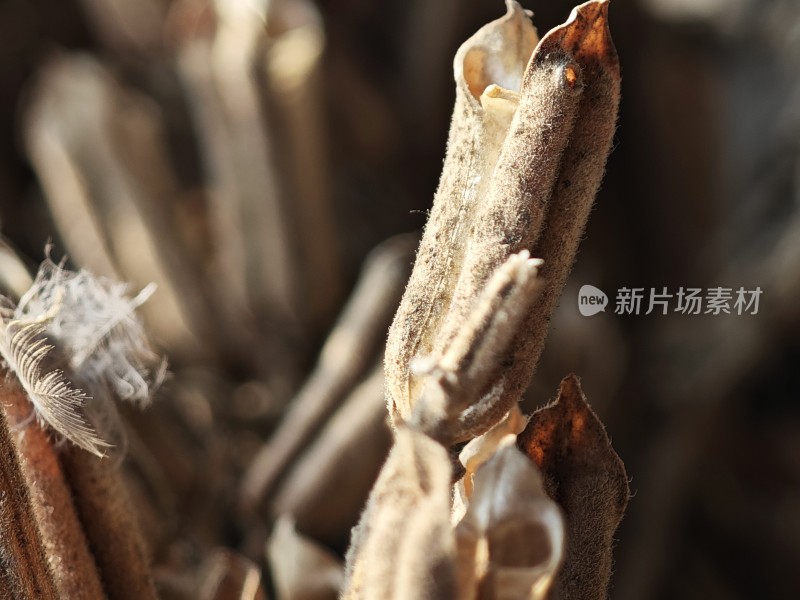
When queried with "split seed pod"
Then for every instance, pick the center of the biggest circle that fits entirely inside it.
(521, 173)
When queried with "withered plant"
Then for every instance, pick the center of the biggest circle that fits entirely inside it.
(226, 490)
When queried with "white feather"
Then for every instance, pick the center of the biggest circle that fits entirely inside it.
(93, 323)
(55, 401)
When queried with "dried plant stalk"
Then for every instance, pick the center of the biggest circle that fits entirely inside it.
(345, 357)
(109, 197)
(67, 550)
(15, 278)
(295, 92)
(585, 476)
(229, 576)
(110, 524)
(25, 572)
(125, 26)
(329, 483)
(222, 70)
(195, 69)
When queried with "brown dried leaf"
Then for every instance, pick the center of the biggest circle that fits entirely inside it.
(585, 476)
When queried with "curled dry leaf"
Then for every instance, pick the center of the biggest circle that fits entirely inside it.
(524, 162)
(477, 452)
(511, 540)
(585, 476)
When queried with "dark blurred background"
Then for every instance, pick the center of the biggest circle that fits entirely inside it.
(702, 190)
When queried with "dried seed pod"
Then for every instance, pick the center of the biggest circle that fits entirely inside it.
(474, 358)
(404, 547)
(329, 483)
(510, 217)
(496, 54)
(587, 38)
(585, 476)
(348, 352)
(536, 189)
